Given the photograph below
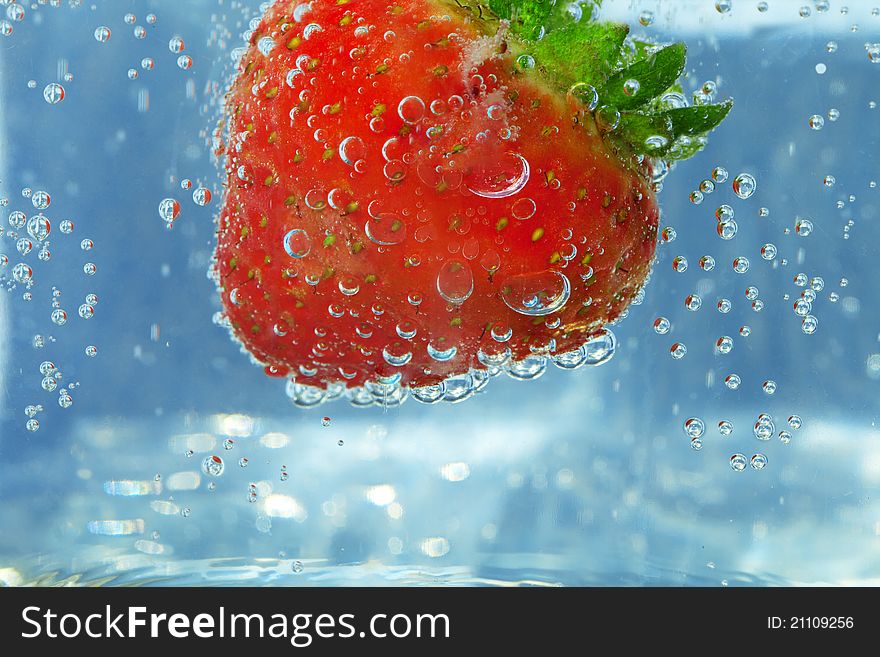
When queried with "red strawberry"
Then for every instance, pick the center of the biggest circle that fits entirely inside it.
(425, 188)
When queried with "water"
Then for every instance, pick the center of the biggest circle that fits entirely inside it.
(736, 419)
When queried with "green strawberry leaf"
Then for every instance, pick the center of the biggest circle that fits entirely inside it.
(530, 19)
(637, 129)
(674, 134)
(580, 52)
(654, 75)
(697, 120)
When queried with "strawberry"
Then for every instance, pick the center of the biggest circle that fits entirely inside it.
(421, 193)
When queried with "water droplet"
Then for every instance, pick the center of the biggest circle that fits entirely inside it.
(176, 45)
(524, 208)
(536, 294)
(385, 229)
(102, 34)
(744, 185)
(503, 176)
(352, 150)
(662, 326)
(202, 196)
(455, 281)
(297, 243)
(17, 219)
(53, 93)
(59, 317)
(694, 427)
(21, 273)
(39, 227)
(411, 109)
(501, 332)
(764, 427)
(803, 227)
(719, 174)
(809, 324)
(441, 353)
(213, 466)
(585, 94)
(169, 209)
(608, 118)
(397, 354)
(727, 229)
(631, 87)
(768, 251)
(724, 344)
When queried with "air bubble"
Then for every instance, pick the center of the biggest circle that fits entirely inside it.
(213, 466)
(536, 294)
(202, 196)
(803, 227)
(694, 427)
(169, 209)
(176, 45)
(53, 93)
(297, 243)
(455, 281)
(411, 109)
(662, 326)
(764, 428)
(744, 185)
(102, 34)
(809, 324)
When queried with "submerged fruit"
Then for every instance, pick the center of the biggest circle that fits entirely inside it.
(421, 189)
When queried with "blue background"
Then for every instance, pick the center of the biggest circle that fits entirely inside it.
(583, 477)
